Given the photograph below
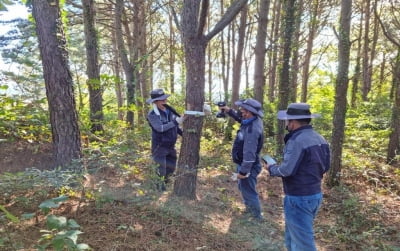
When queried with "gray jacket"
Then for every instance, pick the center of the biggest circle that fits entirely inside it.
(306, 158)
(248, 142)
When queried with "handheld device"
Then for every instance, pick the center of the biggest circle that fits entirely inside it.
(268, 159)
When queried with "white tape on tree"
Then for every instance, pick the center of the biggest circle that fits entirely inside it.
(196, 113)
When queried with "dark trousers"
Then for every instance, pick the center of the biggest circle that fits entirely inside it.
(166, 158)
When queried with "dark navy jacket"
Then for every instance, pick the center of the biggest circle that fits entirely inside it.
(248, 142)
(306, 158)
(164, 127)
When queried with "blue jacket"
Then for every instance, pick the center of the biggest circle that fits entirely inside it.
(164, 127)
(248, 142)
(306, 157)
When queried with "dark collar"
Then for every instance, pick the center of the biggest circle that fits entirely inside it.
(290, 134)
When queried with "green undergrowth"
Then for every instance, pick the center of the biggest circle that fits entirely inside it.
(116, 181)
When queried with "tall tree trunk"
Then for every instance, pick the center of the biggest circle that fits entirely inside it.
(140, 36)
(284, 75)
(394, 138)
(118, 80)
(260, 50)
(92, 67)
(312, 26)
(151, 57)
(247, 55)
(295, 49)
(381, 80)
(171, 54)
(229, 56)
(194, 48)
(126, 65)
(375, 37)
(342, 81)
(275, 50)
(192, 28)
(237, 69)
(237, 66)
(357, 68)
(210, 69)
(225, 59)
(58, 81)
(365, 65)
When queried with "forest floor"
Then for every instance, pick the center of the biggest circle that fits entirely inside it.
(121, 211)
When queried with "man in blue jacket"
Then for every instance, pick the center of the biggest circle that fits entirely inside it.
(164, 122)
(306, 157)
(245, 151)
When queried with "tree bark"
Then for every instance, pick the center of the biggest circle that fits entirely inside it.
(171, 54)
(374, 39)
(275, 50)
(394, 138)
(58, 81)
(313, 26)
(342, 81)
(357, 68)
(284, 75)
(237, 70)
(225, 59)
(260, 50)
(126, 65)
(141, 62)
(237, 66)
(92, 67)
(118, 80)
(295, 49)
(195, 47)
(366, 77)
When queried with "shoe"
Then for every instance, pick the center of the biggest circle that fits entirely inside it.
(258, 219)
(161, 187)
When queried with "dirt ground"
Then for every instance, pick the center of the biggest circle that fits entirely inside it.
(125, 220)
(17, 156)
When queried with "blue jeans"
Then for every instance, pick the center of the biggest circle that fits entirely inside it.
(249, 193)
(300, 212)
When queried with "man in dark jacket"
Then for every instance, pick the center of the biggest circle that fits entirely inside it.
(306, 157)
(245, 151)
(164, 122)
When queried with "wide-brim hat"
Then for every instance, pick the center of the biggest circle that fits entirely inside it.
(251, 105)
(157, 94)
(297, 111)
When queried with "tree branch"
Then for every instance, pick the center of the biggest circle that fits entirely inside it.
(176, 20)
(385, 31)
(229, 15)
(203, 17)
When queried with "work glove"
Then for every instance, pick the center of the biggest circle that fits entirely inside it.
(234, 176)
(179, 120)
(207, 109)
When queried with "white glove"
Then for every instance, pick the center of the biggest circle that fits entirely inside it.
(234, 176)
(179, 120)
(207, 109)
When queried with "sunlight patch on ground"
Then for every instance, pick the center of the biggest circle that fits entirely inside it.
(220, 222)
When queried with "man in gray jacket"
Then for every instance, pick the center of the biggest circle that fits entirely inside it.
(245, 151)
(164, 122)
(306, 157)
